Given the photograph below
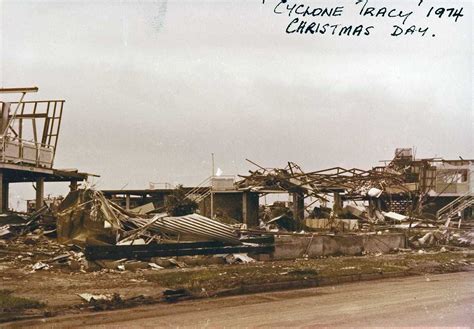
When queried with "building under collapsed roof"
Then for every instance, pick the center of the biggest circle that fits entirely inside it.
(136, 224)
(434, 187)
(432, 183)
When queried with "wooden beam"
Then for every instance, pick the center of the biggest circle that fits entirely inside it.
(30, 116)
(18, 90)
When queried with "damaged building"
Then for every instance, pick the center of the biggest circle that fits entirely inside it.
(432, 188)
(405, 202)
(29, 134)
(228, 202)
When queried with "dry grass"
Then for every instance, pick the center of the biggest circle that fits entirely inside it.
(9, 303)
(234, 276)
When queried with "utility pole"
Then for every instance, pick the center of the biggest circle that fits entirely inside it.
(212, 192)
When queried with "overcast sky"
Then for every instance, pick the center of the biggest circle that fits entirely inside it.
(152, 88)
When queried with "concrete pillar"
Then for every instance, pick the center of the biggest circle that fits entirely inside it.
(250, 208)
(73, 185)
(5, 195)
(337, 203)
(127, 201)
(298, 207)
(39, 192)
(245, 207)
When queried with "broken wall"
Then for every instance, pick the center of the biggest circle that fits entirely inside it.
(291, 247)
(232, 205)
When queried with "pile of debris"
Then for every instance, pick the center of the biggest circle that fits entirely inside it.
(107, 231)
(35, 251)
(13, 224)
(94, 233)
(317, 183)
(86, 217)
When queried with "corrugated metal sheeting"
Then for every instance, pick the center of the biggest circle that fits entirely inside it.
(193, 224)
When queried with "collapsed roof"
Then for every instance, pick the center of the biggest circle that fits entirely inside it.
(292, 178)
(87, 217)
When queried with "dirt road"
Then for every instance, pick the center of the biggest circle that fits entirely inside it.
(434, 300)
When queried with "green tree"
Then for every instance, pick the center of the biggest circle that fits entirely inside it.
(177, 204)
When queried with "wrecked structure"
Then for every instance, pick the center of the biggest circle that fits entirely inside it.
(430, 186)
(429, 197)
(126, 237)
(107, 230)
(86, 214)
(421, 195)
(332, 211)
(29, 133)
(434, 189)
(334, 184)
(29, 138)
(228, 202)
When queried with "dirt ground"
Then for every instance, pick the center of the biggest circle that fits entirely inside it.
(432, 300)
(58, 286)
